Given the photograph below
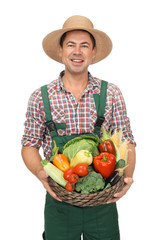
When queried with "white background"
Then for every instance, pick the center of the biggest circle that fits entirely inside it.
(25, 67)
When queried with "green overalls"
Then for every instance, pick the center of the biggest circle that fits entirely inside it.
(64, 221)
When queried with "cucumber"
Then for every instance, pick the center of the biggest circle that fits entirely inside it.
(55, 173)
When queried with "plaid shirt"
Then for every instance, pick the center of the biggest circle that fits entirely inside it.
(79, 116)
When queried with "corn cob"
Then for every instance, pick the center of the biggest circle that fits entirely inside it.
(121, 147)
(117, 137)
(123, 150)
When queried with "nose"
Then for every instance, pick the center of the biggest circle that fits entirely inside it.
(77, 49)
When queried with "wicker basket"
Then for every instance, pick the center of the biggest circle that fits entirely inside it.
(86, 200)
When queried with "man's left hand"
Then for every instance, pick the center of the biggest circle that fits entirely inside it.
(128, 182)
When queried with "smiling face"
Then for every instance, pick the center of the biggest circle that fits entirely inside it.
(77, 52)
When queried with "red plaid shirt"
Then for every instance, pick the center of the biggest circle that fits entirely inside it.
(79, 116)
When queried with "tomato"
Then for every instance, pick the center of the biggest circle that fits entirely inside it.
(70, 187)
(67, 173)
(73, 178)
(81, 169)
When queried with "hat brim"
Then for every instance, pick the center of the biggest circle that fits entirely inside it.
(51, 44)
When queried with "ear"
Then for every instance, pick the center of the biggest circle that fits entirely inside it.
(94, 52)
(60, 51)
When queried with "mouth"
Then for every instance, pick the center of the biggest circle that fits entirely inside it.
(77, 61)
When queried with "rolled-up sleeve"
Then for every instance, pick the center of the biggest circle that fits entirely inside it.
(34, 124)
(120, 120)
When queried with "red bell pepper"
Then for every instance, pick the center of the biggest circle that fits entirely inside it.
(105, 164)
(107, 146)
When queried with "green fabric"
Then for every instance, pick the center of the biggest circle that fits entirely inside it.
(100, 101)
(103, 96)
(47, 110)
(67, 222)
(62, 140)
(60, 125)
(46, 103)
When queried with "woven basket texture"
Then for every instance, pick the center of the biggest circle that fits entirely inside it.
(86, 200)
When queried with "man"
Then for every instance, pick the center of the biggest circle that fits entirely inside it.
(76, 45)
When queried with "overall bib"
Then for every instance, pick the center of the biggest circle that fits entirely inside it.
(64, 221)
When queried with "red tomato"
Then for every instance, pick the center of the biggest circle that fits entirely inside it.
(67, 173)
(73, 178)
(70, 187)
(81, 169)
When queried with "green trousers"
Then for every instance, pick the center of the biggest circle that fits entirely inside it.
(67, 222)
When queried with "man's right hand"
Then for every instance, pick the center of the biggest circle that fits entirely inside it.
(43, 177)
(32, 160)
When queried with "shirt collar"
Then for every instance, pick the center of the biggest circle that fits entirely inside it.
(93, 82)
(60, 85)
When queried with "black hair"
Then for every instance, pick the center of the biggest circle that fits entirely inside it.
(64, 36)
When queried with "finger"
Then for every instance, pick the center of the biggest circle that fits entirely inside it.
(44, 179)
(121, 193)
(128, 180)
(112, 200)
(117, 196)
(128, 183)
(49, 190)
(42, 175)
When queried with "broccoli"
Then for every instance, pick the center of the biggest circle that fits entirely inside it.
(91, 183)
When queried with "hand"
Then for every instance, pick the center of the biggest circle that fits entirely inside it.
(42, 175)
(128, 182)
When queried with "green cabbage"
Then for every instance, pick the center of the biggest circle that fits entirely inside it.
(83, 142)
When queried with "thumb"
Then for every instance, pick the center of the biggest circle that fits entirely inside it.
(46, 174)
(42, 175)
(128, 180)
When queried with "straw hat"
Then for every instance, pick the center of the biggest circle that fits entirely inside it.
(51, 42)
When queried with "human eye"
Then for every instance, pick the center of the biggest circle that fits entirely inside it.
(85, 45)
(70, 45)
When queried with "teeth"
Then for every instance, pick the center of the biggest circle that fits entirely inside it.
(75, 60)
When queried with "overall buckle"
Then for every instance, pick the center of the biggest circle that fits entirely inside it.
(51, 125)
(99, 121)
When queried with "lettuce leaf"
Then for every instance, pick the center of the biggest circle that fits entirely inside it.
(83, 142)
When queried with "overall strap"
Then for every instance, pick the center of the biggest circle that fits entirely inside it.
(100, 101)
(52, 126)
